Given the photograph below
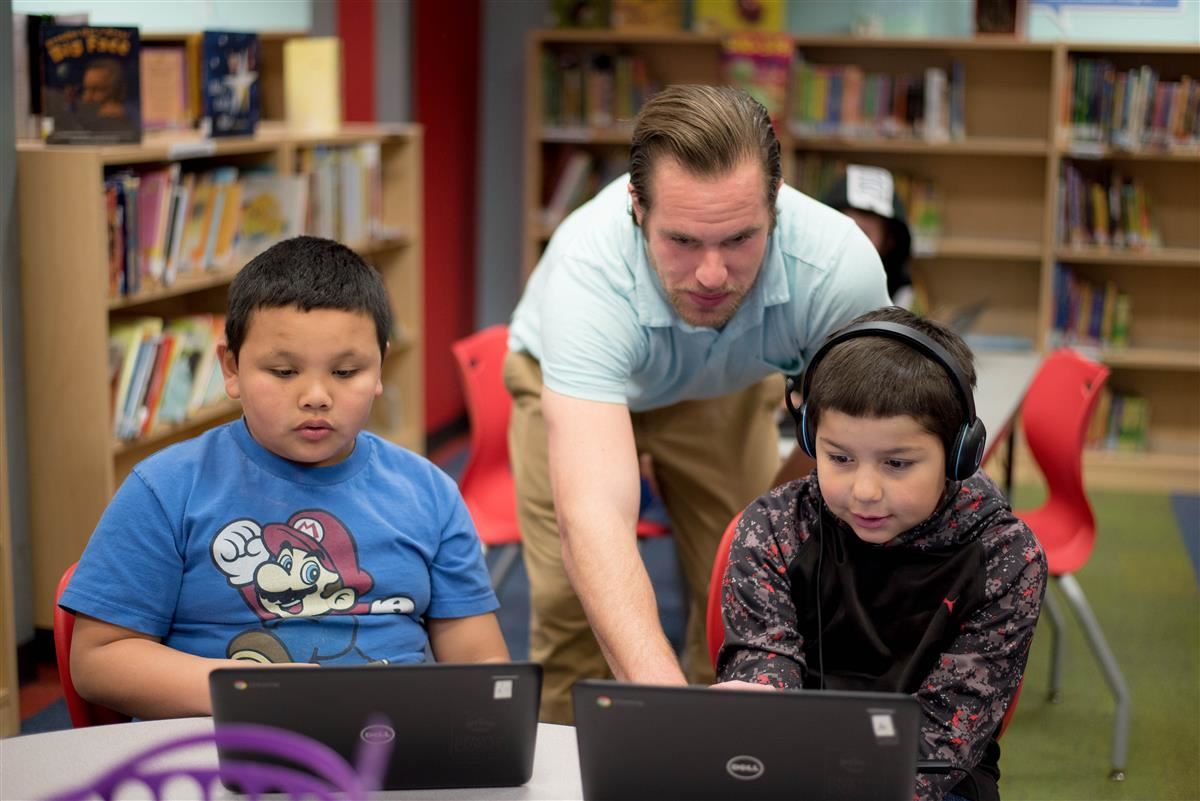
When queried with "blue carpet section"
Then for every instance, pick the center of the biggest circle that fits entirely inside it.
(53, 718)
(1187, 516)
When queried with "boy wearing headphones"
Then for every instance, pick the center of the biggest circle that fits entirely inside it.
(895, 566)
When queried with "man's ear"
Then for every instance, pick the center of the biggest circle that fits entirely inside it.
(638, 213)
(229, 368)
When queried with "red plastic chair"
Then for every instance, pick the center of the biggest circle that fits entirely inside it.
(1055, 416)
(715, 621)
(487, 482)
(83, 713)
(715, 627)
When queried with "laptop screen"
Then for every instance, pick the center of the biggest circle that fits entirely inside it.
(697, 743)
(449, 725)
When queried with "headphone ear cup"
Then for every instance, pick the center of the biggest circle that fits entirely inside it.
(967, 452)
(804, 434)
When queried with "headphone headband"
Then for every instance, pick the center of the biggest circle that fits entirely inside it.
(907, 335)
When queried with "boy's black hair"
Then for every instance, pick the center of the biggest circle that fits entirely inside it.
(878, 377)
(307, 272)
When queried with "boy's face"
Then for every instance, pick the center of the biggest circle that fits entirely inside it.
(882, 475)
(306, 381)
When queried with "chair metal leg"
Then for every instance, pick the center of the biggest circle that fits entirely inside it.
(1058, 644)
(504, 564)
(1112, 672)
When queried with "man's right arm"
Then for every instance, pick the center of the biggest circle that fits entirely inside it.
(594, 474)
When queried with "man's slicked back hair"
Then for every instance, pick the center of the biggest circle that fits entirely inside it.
(307, 272)
(879, 377)
(709, 131)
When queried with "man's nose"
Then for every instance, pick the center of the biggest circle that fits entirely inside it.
(712, 273)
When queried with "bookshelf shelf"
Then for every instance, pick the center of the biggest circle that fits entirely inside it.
(1135, 460)
(1092, 151)
(971, 146)
(204, 418)
(183, 286)
(383, 243)
(1177, 358)
(607, 36)
(1158, 257)
(981, 248)
(587, 136)
(188, 284)
(348, 134)
(1134, 49)
(981, 44)
(160, 147)
(68, 310)
(1139, 470)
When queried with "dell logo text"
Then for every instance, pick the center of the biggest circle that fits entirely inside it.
(745, 768)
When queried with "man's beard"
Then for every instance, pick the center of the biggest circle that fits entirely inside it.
(678, 299)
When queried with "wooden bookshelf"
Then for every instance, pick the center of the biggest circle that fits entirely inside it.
(1157, 257)
(969, 247)
(10, 718)
(999, 190)
(970, 146)
(1162, 360)
(1107, 153)
(67, 311)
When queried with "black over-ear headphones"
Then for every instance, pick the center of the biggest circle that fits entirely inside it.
(965, 453)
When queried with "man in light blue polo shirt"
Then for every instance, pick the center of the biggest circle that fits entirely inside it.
(659, 321)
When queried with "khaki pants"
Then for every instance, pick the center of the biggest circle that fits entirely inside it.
(711, 458)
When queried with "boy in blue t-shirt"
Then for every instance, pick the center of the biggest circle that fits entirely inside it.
(290, 535)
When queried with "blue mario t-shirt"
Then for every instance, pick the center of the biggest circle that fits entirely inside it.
(222, 549)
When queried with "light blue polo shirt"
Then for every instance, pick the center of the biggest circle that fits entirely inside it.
(596, 317)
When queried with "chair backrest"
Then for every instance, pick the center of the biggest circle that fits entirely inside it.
(487, 482)
(1055, 417)
(83, 713)
(715, 623)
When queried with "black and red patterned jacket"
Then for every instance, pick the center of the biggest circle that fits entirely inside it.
(945, 612)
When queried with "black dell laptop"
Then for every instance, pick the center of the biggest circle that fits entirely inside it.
(701, 744)
(448, 725)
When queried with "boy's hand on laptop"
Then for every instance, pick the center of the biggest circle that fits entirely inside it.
(742, 685)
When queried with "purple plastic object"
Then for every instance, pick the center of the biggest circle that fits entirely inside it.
(334, 777)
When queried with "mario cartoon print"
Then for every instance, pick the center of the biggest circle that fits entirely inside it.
(298, 573)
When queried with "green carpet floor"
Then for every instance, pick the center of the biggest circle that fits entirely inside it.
(1142, 588)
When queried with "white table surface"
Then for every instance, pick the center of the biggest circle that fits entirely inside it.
(38, 765)
(1001, 380)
